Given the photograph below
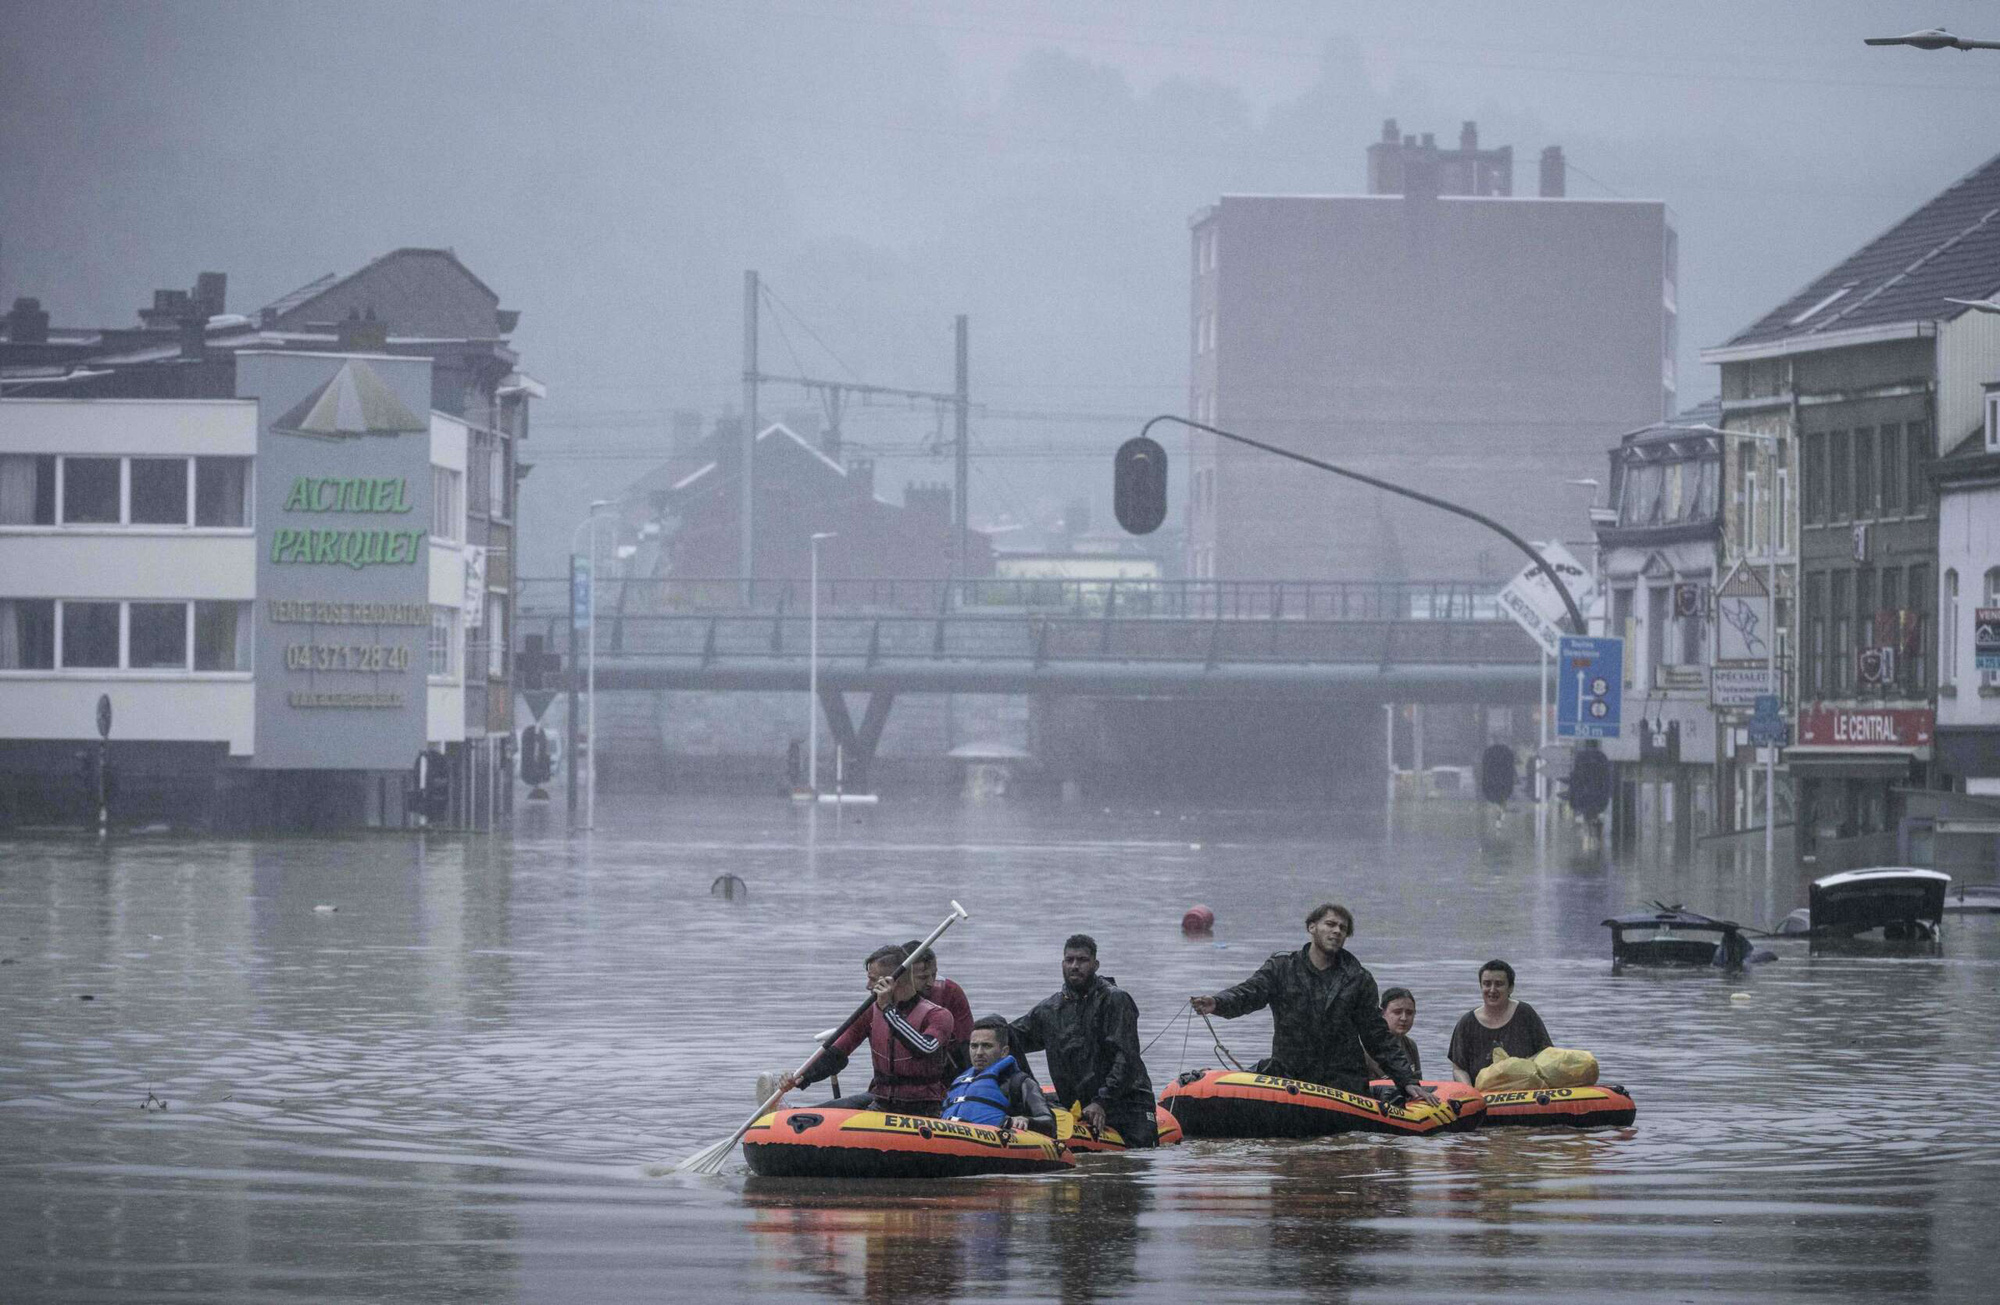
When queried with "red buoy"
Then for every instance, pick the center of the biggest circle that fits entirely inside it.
(1199, 919)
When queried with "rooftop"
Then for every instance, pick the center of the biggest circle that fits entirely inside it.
(1949, 248)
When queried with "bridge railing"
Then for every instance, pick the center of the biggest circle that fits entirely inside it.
(1306, 600)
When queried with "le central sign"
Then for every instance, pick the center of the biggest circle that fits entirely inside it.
(1865, 727)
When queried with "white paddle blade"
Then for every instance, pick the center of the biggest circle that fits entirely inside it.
(709, 1160)
(959, 911)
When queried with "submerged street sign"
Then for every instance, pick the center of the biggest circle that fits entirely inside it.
(1589, 687)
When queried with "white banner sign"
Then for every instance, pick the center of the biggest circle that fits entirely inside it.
(1535, 605)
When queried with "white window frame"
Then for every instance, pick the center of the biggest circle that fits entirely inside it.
(124, 666)
(124, 521)
(496, 636)
(452, 643)
(448, 504)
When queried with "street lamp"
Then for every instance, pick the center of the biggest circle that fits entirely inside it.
(812, 672)
(1932, 38)
(590, 728)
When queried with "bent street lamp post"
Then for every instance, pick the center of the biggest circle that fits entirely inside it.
(1540, 562)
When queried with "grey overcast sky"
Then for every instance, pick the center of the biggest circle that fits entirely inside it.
(611, 169)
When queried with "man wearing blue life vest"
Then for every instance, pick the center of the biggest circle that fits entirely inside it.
(997, 1090)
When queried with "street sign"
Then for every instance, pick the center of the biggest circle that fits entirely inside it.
(1589, 687)
(1533, 602)
(1985, 639)
(1768, 726)
(579, 592)
(103, 715)
(1740, 686)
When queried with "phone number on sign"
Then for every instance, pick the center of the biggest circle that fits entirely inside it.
(346, 657)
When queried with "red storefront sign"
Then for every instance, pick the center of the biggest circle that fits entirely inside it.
(1865, 727)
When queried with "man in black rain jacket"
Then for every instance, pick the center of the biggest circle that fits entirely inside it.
(1324, 1011)
(1090, 1031)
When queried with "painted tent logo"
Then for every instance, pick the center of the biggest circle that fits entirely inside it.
(354, 404)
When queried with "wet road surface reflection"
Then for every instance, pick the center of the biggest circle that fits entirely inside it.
(461, 1070)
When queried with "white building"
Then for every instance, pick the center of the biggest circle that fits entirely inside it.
(1968, 713)
(138, 538)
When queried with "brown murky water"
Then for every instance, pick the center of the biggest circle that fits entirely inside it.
(464, 1082)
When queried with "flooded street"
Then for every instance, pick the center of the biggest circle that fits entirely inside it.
(387, 1069)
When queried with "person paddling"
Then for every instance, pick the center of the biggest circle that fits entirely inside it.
(945, 993)
(998, 1090)
(1326, 1015)
(1090, 1031)
(1497, 1021)
(910, 1039)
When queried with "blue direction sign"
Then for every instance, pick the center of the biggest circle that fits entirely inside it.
(1590, 679)
(1768, 726)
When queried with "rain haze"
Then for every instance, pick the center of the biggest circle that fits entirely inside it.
(458, 771)
(612, 170)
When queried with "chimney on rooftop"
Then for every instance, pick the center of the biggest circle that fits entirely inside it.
(359, 334)
(211, 291)
(1555, 174)
(1468, 137)
(28, 322)
(169, 307)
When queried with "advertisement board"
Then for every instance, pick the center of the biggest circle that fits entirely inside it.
(1865, 727)
(343, 511)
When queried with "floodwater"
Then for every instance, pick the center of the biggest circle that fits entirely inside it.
(386, 1068)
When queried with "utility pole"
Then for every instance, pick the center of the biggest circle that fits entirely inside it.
(746, 545)
(961, 405)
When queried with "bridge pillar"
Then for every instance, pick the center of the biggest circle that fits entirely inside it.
(857, 745)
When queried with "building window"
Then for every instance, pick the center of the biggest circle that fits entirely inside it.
(1948, 635)
(159, 491)
(496, 473)
(1915, 643)
(1840, 599)
(1889, 453)
(1659, 609)
(1815, 487)
(27, 634)
(1839, 473)
(444, 642)
(222, 636)
(496, 636)
(27, 489)
(158, 639)
(1816, 632)
(1864, 472)
(447, 512)
(222, 492)
(1918, 486)
(89, 636)
(1691, 631)
(90, 491)
(478, 452)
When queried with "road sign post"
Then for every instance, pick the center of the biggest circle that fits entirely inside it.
(1590, 687)
(103, 764)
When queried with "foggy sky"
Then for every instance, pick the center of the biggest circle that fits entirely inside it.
(611, 170)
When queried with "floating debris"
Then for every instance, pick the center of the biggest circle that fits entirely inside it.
(84, 996)
(324, 909)
(729, 888)
(152, 1103)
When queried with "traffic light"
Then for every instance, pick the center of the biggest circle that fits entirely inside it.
(1497, 775)
(1139, 485)
(1590, 783)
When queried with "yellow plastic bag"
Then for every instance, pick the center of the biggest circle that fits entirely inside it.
(1561, 1067)
(1508, 1074)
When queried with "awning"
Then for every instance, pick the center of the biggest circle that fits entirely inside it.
(1852, 763)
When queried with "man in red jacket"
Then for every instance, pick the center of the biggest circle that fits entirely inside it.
(945, 993)
(910, 1039)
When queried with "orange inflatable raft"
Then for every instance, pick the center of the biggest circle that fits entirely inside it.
(1077, 1138)
(1223, 1103)
(822, 1143)
(1574, 1107)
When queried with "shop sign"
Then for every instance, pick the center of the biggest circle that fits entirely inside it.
(1986, 639)
(1863, 728)
(1740, 686)
(343, 574)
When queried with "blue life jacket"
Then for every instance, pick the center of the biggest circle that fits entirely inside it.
(976, 1096)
